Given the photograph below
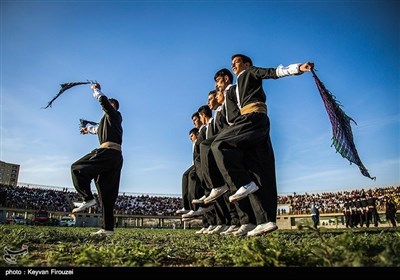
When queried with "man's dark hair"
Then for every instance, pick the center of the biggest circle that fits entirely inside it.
(245, 58)
(212, 92)
(205, 110)
(222, 73)
(195, 114)
(115, 102)
(194, 130)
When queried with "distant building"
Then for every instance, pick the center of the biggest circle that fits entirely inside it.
(9, 173)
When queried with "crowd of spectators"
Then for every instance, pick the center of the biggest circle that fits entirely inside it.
(33, 198)
(147, 205)
(332, 202)
(25, 197)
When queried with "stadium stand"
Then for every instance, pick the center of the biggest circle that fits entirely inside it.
(132, 209)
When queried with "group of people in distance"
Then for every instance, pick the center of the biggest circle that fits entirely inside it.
(361, 209)
(231, 183)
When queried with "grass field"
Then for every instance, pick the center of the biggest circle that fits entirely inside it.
(38, 246)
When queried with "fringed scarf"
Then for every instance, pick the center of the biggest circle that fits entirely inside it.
(65, 87)
(83, 123)
(342, 138)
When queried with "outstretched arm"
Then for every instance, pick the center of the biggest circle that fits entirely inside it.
(293, 69)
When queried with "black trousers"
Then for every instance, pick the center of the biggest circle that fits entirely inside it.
(261, 163)
(211, 174)
(391, 216)
(243, 153)
(239, 213)
(104, 167)
(315, 219)
(194, 188)
(373, 216)
(185, 188)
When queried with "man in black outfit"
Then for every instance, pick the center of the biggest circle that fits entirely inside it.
(243, 151)
(391, 209)
(189, 180)
(103, 164)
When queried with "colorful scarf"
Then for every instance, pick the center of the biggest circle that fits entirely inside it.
(342, 138)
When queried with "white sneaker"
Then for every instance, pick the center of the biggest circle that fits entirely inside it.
(188, 219)
(182, 211)
(244, 191)
(230, 229)
(218, 229)
(263, 228)
(215, 193)
(201, 230)
(244, 229)
(85, 205)
(210, 228)
(103, 233)
(199, 212)
(188, 216)
(199, 200)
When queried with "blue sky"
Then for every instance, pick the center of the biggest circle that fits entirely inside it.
(158, 58)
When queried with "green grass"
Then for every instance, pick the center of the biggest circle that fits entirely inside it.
(132, 247)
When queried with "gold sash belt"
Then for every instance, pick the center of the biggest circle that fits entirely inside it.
(111, 145)
(259, 107)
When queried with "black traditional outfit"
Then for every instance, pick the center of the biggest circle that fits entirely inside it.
(104, 164)
(241, 213)
(243, 151)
